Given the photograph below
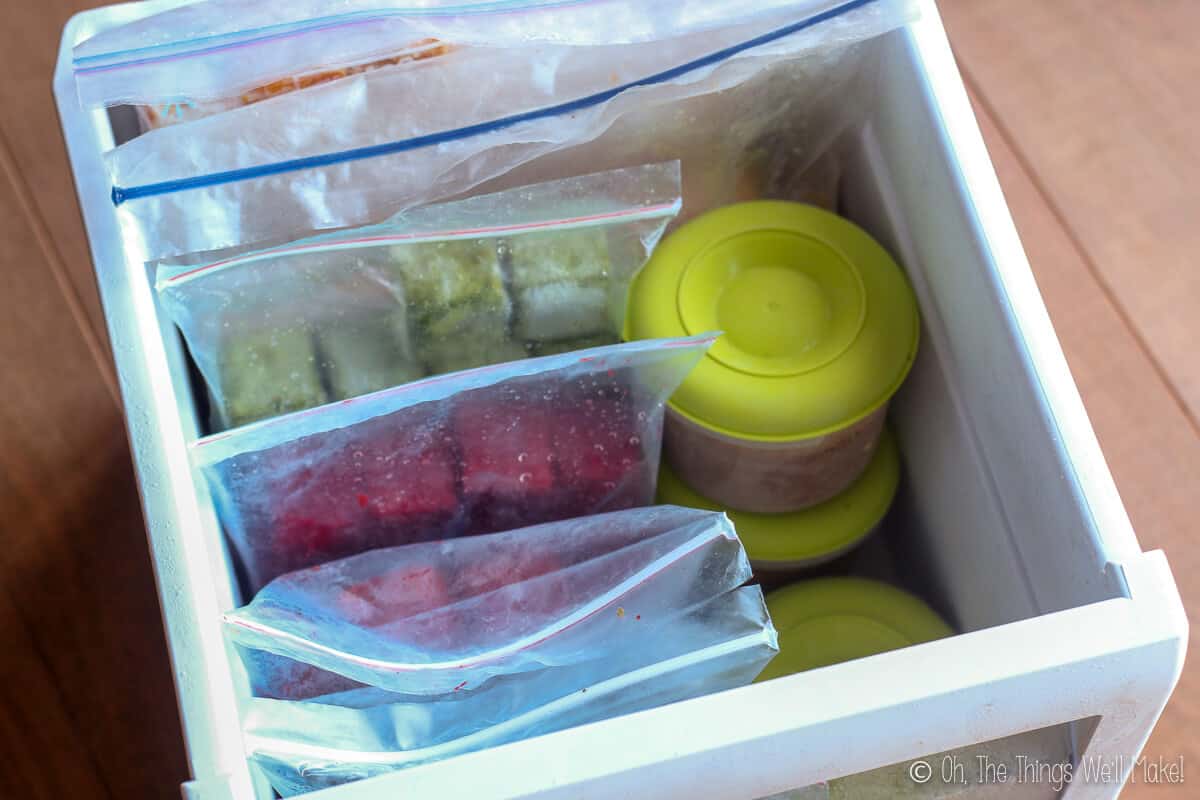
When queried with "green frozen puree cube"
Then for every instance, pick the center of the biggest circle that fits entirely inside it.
(471, 352)
(488, 317)
(575, 256)
(557, 311)
(442, 279)
(363, 357)
(269, 373)
(571, 345)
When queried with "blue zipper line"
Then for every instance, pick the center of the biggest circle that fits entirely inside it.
(120, 194)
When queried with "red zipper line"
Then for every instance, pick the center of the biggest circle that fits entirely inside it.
(401, 237)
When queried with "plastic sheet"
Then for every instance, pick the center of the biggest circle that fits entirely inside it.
(303, 746)
(747, 101)
(493, 278)
(472, 452)
(441, 618)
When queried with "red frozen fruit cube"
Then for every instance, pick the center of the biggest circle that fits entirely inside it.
(412, 479)
(506, 449)
(310, 508)
(495, 568)
(394, 595)
(316, 524)
(511, 592)
(388, 481)
(508, 473)
(600, 455)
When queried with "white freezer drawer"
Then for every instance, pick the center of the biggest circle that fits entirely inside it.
(1007, 521)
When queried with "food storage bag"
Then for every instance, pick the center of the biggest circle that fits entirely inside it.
(441, 618)
(719, 644)
(530, 271)
(483, 450)
(748, 97)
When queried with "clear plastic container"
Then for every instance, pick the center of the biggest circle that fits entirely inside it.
(780, 545)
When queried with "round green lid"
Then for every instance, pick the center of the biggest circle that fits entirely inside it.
(831, 620)
(820, 325)
(814, 534)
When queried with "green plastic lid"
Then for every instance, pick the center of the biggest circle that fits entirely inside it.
(815, 534)
(820, 325)
(831, 620)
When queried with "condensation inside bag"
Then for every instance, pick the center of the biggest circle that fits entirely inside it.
(444, 618)
(484, 450)
(746, 125)
(481, 641)
(732, 640)
(194, 55)
(499, 277)
(379, 661)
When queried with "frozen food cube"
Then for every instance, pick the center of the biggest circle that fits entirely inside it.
(409, 482)
(479, 320)
(364, 356)
(560, 284)
(269, 373)
(561, 311)
(396, 594)
(318, 520)
(449, 284)
(393, 483)
(503, 567)
(577, 256)
(509, 478)
(489, 579)
(600, 456)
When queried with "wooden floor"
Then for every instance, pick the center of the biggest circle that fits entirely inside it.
(1090, 108)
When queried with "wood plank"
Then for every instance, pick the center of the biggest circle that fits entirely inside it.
(74, 567)
(1101, 97)
(44, 758)
(30, 125)
(1148, 438)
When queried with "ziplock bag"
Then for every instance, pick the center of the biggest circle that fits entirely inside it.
(191, 61)
(441, 618)
(303, 746)
(530, 271)
(748, 99)
(484, 450)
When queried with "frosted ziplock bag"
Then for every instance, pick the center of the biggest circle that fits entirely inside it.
(483, 450)
(499, 277)
(303, 746)
(190, 62)
(747, 99)
(440, 619)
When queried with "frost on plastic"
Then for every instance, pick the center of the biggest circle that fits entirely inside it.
(302, 746)
(474, 452)
(412, 654)
(193, 61)
(531, 271)
(446, 617)
(747, 114)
